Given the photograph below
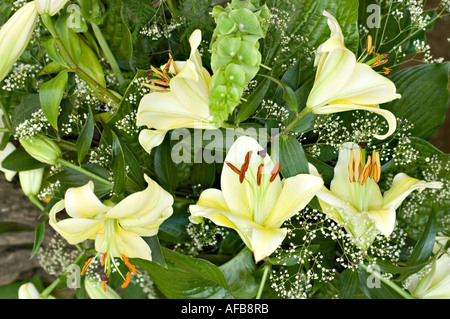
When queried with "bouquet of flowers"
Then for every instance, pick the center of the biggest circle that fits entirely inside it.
(241, 149)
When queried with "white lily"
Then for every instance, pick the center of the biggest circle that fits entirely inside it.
(184, 102)
(435, 283)
(116, 229)
(31, 181)
(343, 84)
(15, 35)
(253, 200)
(355, 200)
(29, 291)
(50, 7)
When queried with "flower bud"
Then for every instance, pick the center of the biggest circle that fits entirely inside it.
(50, 7)
(28, 291)
(31, 181)
(42, 149)
(15, 35)
(95, 290)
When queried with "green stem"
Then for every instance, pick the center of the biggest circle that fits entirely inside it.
(84, 171)
(263, 280)
(47, 291)
(111, 97)
(294, 122)
(67, 145)
(107, 52)
(4, 130)
(389, 283)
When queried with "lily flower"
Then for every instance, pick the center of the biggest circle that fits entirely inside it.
(254, 200)
(343, 84)
(181, 100)
(435, 282)
(355, 201)
(15, 35)
(50, 7)
(116, 229)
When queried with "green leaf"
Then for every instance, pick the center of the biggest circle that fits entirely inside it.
(239, 275)
(348, 283)
(424, 247)
(190, 278)
(425, 97)
(72, 178)
(165, 169)
(155, 247)
(203, 174)
(251, 103)
(50, 96)
(292, 157)
(85, 138)
(373, 288)
(38, 237)
(19, 160)
(288, 93)
(118, 164)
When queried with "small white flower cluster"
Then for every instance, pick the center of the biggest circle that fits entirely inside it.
(17, 79)
(127, 124)
(102, 155)
(404, 154)
(86, 96)
(269, 110)
(202, 236)
(36, 124)
(422, 47)
(156, 30)
(56, 256)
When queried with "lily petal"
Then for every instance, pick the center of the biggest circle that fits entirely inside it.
(9, 148)
(384, 220)
(124, 242)
(265, 240)
(74, 230)
(343, 107)
(149, 139)
(296, 193)
(81, 202)
(402, 186)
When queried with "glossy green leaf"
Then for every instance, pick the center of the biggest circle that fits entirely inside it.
(425, 97)
(348, 283)
(292, 157)
(118, 164)
(50, 96)
(239, 275)
(190, 278)
(85, 138)
(165, 169)
(20, 160)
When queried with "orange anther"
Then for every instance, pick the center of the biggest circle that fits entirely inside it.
(104, 258)
(85, 267)
(357, 166)
(376, 174)
(386, 70)
(366, 171)
(369, 47)
(104, 285)
(276, 169)
(127, 280)
(233, 168)
(351, 163)
(259, 174)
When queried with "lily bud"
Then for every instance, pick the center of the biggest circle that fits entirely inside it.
(31, 181)
(15, 35)
(42, 149)
(28, 291)
(95, 290)
(50, 7)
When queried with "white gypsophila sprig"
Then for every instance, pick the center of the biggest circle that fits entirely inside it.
(19, 77)
(35, 125)
(56, 256)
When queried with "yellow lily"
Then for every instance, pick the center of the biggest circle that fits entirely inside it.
(355, 200)
(254, 201)
(343, 84)
(116, 229)
(15, 35)
(182, 101)
(435, 283)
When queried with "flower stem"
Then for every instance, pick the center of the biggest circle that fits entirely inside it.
(111, 97)
(47, 291)
(297, 119)
(84, 171)
(263, 280)
(107, 52)
(36, 202)
(389, 283)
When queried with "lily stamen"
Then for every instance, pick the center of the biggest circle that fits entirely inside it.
(276, 169)
(233, 168)
(259, 174)
(86, 266)
(371, 169)
(369, 47)
(104, 258)
(127, 280)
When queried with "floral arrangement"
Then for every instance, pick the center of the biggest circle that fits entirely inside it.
(228, 149)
